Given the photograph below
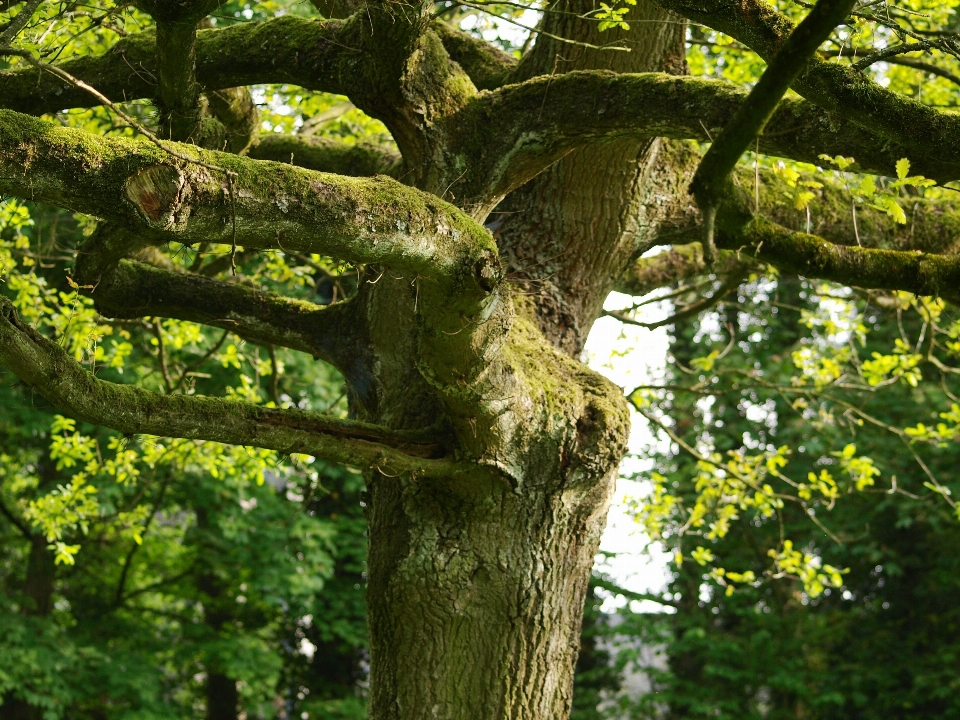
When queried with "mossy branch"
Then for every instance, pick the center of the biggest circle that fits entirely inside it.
(508, 136)
(487, 66)
(316, 55)
(679, 263)
(713, 175)
(261, 205)
(924, 132)
(796, 252)
(328, 155)
(74, 391)
(137, 290)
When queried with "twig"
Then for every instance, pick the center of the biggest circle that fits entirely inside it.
(210, 353)
(76, 82)
(731, 283)
(162, 355)
(275, 375)
(869, 60)
(550, 35)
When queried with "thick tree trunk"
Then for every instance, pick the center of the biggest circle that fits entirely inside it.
(477, 588)
(476, 595)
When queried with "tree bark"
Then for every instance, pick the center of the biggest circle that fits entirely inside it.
(570, 230)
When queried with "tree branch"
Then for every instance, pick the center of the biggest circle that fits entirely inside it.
(926, 134)
(15, 521)
(136, 290)
(713, 175)
(755, 237)
(489, 67)
(237, 112)
(328, 155)
(933, 227)
(265, 205)
(681, 262)
(14, 27)
(55, 375)
(729, 284)
(317, 55)
(510, 135)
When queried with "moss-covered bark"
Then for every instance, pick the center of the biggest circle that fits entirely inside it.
(488, 66)
(262, 204)
(136, 290)
(314, 54)
(44, 365)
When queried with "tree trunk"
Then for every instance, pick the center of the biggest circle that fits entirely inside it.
(222, 697)
(477, 588)
(38, 601)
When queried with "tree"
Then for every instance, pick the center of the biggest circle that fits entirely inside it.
(526, 190)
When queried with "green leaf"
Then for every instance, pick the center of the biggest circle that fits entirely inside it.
(903, 167)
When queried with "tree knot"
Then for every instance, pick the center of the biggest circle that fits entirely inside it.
(488, 271)
(157, 192)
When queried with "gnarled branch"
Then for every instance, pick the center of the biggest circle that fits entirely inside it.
(136, 290)
(679, 263)
(263, 205)
(812, 256)
(512, 134)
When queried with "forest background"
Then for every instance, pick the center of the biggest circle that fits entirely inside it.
(192, 579)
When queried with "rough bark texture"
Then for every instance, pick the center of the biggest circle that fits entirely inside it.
(569, 231)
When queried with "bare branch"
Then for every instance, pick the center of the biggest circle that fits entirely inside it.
(19, 22)
(730, 283)
(55, 375)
